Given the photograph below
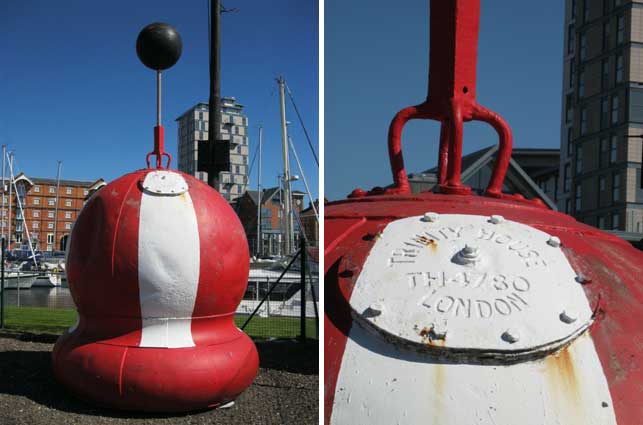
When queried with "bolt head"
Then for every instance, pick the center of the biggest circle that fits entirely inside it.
(496, 219)
(554, 241)
(582, 279)
(567, 317)
(511, 336)
(374, 310)
(430, 217)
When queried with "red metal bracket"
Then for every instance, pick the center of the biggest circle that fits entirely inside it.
(159, 149)
(454, 27)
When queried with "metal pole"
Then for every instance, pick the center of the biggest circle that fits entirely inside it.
(56, 209)
(284, 145)
(4, 153)
(301, 171)
(214, 102)
(10, 161)
(158, 98)
(259, 196)
(22, 212)
(4, 245)
(302, 315)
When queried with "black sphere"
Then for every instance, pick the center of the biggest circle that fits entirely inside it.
(159, 46)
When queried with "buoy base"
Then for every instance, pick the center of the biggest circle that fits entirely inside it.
(155, 379)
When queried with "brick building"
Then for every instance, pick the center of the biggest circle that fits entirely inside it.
(272, 226)
(48, 215)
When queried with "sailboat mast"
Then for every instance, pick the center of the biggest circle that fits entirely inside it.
(10, 161)
(284, 144)
(259, 195)
(57, 200)
(4, 153)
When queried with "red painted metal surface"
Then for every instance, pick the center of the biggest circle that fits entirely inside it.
(159, 149)
(612, 267)
(102, 360)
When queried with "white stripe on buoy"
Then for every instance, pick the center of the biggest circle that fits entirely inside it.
(168, 269)
(380, 383)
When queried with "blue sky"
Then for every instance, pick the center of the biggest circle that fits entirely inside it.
(72, 88)
(376, 63)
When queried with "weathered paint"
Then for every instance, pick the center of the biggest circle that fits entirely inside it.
(483, 280)
(138, 256)
(380, 383)
(167, 282)
(612, 266)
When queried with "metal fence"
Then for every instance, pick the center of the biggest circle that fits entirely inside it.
(52, 309)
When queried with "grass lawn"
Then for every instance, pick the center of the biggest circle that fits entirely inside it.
(40, 320)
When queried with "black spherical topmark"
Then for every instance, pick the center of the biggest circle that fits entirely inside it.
(159, 46)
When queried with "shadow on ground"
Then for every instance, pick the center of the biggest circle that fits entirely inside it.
(28, 373)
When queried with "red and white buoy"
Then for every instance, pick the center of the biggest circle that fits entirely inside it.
(458, 309)
(157, 264)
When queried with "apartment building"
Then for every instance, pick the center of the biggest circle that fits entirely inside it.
(43, 210)
(600, 170)
(233, 180)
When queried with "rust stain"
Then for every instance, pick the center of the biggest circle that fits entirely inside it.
(437, 392)
(430, 338)
(182, 196)
(563, 383)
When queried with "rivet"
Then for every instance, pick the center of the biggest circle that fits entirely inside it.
(496, 219)
(567, 317)
(554, 241)
(582, 279)
(431, 217)
(374, 309)
(511, 336)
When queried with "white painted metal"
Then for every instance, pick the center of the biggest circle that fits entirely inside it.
(475, 277)
(168, 264)
(164, 183)
(379, 383)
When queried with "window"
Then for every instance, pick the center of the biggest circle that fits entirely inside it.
(35, 225)
(85, 192)
(601, 222)
(619, 67)
(601, 183)
(50, 238)
(613, 149)
(585, 10)
(583, 121)
(581, 83)
(36, 189)
(50, 225)
(578, 198)
(583, 47)
(52, 189)
(569, 112)
(604, 152)
(571, 39)
(606, 35)
(605, 73)
(572, 73)
(67, 214)
(69, 190)
(68, 226)
(605, 113)
(36, 214)
(568, 206)
(68, 203)
(36, 201)
(579, 159)
(19, 237)
(573, 11)
(50, 214)
(616, 221)
(51, 201)
(620, 29)
(570, 145)
(616, 187)
(615, 109)
(568, 178)
(636, 105)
